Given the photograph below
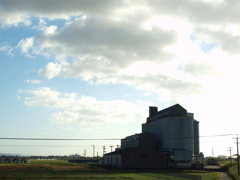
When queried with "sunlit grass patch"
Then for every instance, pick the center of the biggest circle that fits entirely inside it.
(53, 162)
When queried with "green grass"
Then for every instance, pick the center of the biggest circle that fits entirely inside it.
(27, 175)
(54, 162)
(43, 169)
(162, 176)
(210, 176)
(233, 172)
(231, 169)
(44, 175)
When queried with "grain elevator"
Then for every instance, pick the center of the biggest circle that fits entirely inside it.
(169, 138)
(177, 133)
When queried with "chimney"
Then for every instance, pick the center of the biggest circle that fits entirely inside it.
(152, 110)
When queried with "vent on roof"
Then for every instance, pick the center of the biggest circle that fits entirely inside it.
(152, 110)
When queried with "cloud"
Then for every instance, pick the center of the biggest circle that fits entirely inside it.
(51, 70)
(148, 45)
(64, 117)
(106, 50)
(83, 110)
(34, 81)
(25, 45)
(147, 94)
(7, 48)
(13, 12)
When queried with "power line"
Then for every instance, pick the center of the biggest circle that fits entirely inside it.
(41, 139)
(107, 139)
(189, 137)
(42, 146)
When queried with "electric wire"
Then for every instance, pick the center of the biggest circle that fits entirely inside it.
(107, 139)
(46, 139)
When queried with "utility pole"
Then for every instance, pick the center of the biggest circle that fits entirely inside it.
(93, 150)
(117, 155)
(104, 150)
(85, 153)
(230, 149)
(111, 153)
(237, 154)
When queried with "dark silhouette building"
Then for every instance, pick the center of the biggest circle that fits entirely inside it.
(172, 133)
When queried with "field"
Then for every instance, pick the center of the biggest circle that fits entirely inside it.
(55, 169)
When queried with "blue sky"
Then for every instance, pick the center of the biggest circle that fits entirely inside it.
(87, 69)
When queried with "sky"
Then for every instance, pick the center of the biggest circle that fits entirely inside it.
(86, 69)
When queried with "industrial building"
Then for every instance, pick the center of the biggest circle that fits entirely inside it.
(169, 138)
(135, 158)
(145, 140)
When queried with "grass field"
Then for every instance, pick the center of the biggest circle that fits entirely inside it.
(55, 169)
(53, 162)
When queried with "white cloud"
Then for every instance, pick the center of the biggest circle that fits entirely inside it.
(51, 70)
(50, 30)
(84, 110)
(34, 81)
(7, 48)
(26, 45)
(147, 94)
(64, 117)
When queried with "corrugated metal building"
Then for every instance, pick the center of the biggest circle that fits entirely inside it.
(135, 158)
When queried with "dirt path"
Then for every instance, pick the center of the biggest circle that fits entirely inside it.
(224, 176)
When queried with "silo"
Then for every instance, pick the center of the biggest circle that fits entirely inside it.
(172, 132)
(176, 133)
(196, 137)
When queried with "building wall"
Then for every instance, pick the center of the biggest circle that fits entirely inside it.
(130, 141)
(172, 132)
(145, 140)
(182, 156)
(113, 160)
(143, 159)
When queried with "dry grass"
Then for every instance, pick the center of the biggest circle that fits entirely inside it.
(15, 167)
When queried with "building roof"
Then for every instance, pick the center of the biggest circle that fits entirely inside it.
(139, 134)
(122, 151)
(174, 107)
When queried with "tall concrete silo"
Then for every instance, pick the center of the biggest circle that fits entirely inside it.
(196, 137)
(176, 131)
(172, 132)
